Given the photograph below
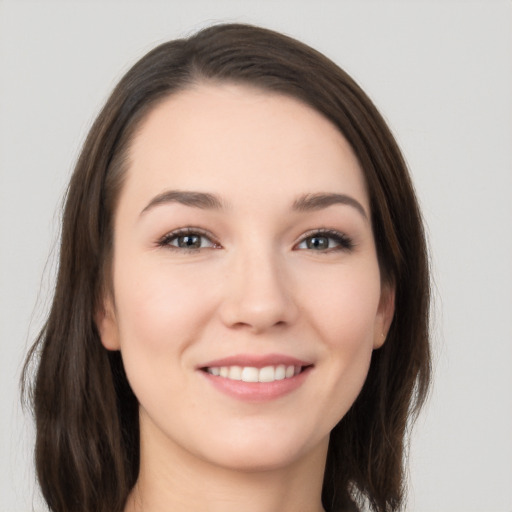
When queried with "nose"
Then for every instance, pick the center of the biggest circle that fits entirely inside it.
(257, 293)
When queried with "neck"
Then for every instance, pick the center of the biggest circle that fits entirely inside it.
(173, 479)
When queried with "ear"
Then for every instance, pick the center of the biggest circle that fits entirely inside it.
(385, 314)
(106, 323)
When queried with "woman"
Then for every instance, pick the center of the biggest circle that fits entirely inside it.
(240, 319)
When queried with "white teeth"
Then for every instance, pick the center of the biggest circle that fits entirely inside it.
(235, 373)
(267, 374)
(251, 374)
(280, 372)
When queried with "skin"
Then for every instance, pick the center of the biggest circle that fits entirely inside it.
(254, 287)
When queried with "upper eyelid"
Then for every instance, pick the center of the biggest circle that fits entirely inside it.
(188, 231)
(344, 241)
(324, 232)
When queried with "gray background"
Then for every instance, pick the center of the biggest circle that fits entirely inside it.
(440, 71)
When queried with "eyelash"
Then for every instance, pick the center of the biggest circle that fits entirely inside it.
(166, 240)
(342, 241)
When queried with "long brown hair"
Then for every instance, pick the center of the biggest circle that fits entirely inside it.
(87, 443)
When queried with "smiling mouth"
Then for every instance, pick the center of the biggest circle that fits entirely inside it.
(252, 374)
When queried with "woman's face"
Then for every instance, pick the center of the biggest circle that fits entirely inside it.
(243, 252)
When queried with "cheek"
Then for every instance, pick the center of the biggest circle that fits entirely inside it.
(158, 307)
(158, 318)
(343, 316)
(344, 308)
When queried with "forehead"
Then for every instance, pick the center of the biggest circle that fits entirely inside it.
(241, 142)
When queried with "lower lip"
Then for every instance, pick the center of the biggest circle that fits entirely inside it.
(257, 391)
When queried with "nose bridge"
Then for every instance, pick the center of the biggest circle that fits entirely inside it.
(257, 292)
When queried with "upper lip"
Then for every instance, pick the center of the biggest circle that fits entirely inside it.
(256, 361)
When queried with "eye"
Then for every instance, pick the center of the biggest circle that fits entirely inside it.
(326, 241)
(188, 239)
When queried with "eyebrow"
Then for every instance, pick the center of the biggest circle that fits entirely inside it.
(207, 201)
(202, 200)
(312, 202)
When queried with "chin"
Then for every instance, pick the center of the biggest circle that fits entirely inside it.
(254, 462)
(263, 453)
